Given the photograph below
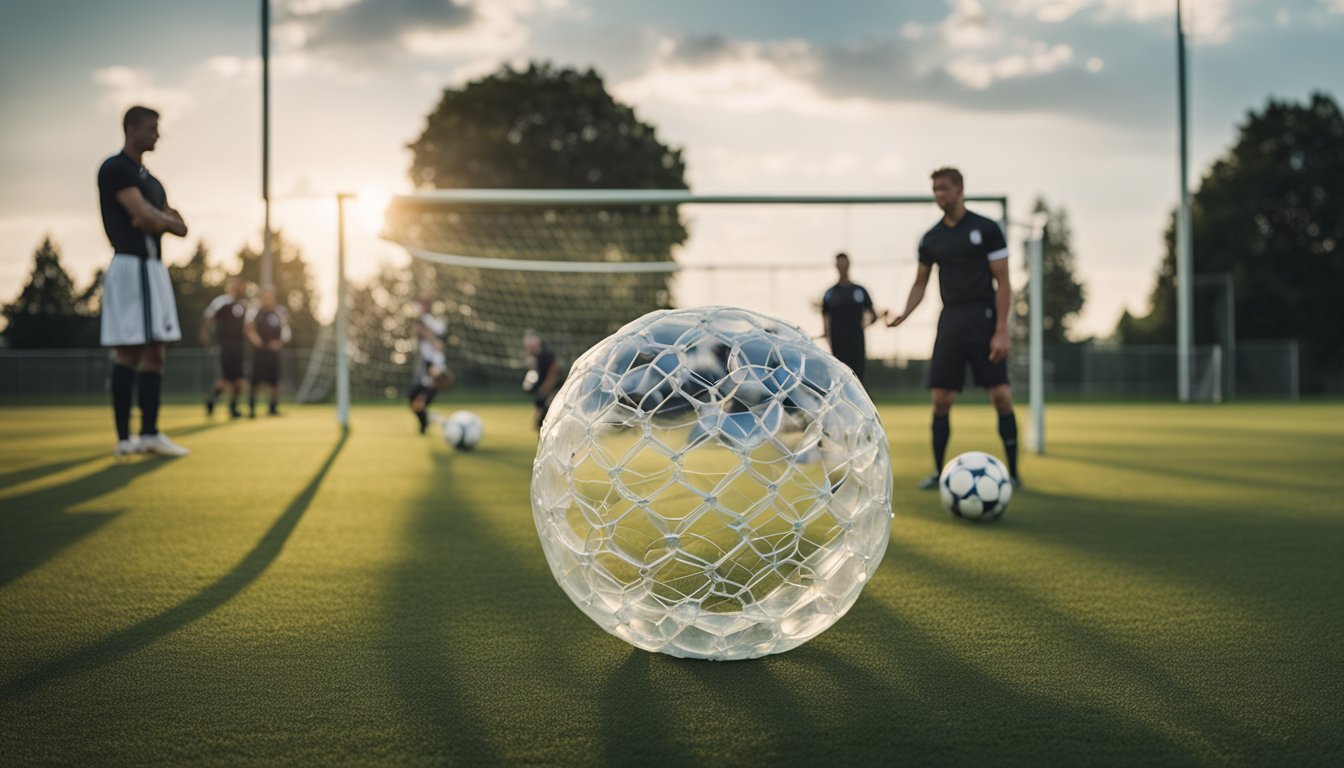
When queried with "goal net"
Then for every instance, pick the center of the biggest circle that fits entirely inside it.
(576, 265)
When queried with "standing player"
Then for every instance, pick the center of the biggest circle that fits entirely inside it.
(972, 258)
(544, 375)
(846, 310)
(431, 369)
(139, 311)
(267, 327)
(228, 313)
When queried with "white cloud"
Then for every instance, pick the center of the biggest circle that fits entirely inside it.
(735, 76)
(127, 86)
(981, 73)
(969, 27)
(1207, 22)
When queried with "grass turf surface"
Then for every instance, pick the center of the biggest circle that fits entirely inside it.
(1169, 590)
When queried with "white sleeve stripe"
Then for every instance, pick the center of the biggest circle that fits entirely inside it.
(215, 305)
(1002, 253)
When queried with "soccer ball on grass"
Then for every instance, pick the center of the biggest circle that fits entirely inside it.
(975, 486)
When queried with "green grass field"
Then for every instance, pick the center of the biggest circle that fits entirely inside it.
(1169, 591)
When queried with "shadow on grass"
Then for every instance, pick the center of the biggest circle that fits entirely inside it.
(36, 526)
(133, 638)
(28, 474)
(499, 667)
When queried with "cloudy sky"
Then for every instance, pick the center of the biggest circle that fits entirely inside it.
(1070, 99)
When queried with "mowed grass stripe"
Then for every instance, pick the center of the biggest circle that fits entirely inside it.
(1168, 590)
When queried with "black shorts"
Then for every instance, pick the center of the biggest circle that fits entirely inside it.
(964, 331)
(266, 367)
(420, 389)
(853, 354)
(231, 361)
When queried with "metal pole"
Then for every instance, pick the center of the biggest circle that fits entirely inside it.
(1036, 374)
(1184, 239)
(267, 270)
(1231, 391)
(342, 362)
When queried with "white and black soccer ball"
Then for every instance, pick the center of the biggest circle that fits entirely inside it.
(463, 430)
(975, 486)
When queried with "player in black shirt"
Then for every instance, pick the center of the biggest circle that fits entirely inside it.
(139, 311)
(544, 375)
(267, 327)
(228, 313)
(846, 310)
(972, 258)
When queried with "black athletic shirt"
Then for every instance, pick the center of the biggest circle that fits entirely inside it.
(271, 324)
(121, 172)
(541, 363)
(962, 254)
(846, 305)
(229, 314)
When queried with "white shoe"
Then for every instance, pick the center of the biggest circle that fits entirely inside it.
(160, 444)
(127, 447)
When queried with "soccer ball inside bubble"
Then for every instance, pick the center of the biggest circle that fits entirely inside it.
(975, 486)
(710, 483)
(463, 430)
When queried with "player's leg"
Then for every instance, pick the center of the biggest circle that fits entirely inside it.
(126, 360)
(994, 378)
(150, 393)
(419, 400)
(947, 374)
(273, 384)
(1002, 398)
(212, 397)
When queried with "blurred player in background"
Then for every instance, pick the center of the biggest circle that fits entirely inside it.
(228, 314)
(846, 310)
(139, 311)
(431, 368)
(544, 375)
(267, 327)
(972, 258)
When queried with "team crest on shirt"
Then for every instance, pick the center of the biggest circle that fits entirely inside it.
(237, 310)
(976, 239)
(858, 295)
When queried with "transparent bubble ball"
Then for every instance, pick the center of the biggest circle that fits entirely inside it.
(712, 484)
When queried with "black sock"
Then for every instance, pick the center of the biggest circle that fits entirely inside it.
(151, 387)
(252, 402)
(275, 402)
(233, 404)
(423, 417)
(1008, 431)
(942, 430)
(123, 381)
(213, 395)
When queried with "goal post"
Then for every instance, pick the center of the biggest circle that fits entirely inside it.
(611, 250)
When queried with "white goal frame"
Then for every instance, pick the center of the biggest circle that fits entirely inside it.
(524, 198)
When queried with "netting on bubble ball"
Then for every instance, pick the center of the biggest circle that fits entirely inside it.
(710, 483)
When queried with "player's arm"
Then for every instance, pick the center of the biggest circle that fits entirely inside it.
(916, 295)
(208, 319)
(146, 217)
(280, 343)
(548, 384)
(250, 328)
(1001, 344)
(870, 315)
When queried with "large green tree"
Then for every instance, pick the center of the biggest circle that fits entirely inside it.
(1271, 213)
(539, 127)
(1062, 295)
(48, 312)
(195, 283)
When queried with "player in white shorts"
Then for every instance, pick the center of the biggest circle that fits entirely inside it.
(139, 312)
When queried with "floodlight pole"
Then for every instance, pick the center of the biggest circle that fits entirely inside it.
(342, 361)
(1184, 239)
(267, 268)
(1035, 299)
